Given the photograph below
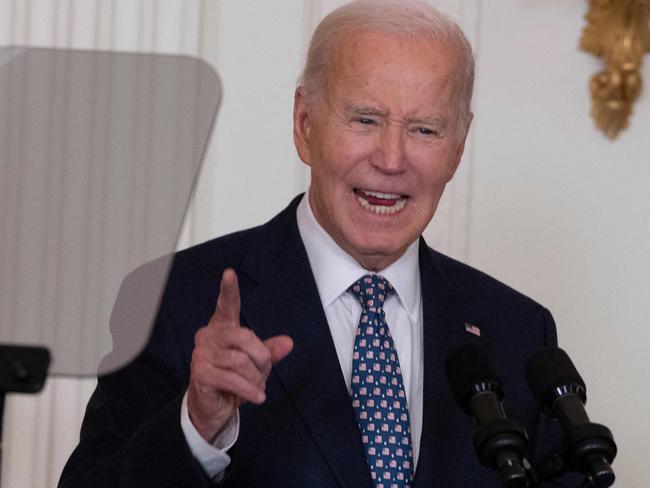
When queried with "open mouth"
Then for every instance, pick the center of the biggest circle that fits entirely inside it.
(381, 203)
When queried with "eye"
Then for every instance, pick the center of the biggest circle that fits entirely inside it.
(425, 131)
(365, 121)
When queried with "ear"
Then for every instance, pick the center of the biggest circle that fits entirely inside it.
(301, 125)
(460, 148)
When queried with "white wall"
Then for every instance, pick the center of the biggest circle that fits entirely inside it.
(542, 200)
(563, 214)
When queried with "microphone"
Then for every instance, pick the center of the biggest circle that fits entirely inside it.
(561, 393)
(500, 443)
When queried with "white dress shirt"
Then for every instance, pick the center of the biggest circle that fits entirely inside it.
(334, 271)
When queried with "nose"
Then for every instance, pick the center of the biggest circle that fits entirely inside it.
(390, 157)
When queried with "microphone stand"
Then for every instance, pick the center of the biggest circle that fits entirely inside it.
(22, 370)
(588, 449)
(501, 444)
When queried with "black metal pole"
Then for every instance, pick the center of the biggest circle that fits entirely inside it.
(2, 419)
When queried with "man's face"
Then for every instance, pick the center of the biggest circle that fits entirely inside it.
(382, 142)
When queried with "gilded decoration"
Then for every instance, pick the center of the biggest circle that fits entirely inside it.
(618, 32)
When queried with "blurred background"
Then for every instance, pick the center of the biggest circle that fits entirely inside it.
(542, 200)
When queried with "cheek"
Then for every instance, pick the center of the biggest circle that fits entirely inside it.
(343, 155)
(435, 168)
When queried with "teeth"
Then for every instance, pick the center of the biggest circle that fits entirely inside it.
(384, 196)
(382, 209)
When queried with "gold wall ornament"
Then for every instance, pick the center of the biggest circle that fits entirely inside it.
(617, 31)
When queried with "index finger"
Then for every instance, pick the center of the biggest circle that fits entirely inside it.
(228, 303)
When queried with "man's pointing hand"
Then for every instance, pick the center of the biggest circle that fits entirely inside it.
(230, 364)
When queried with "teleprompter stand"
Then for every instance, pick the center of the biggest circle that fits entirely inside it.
(23, 369)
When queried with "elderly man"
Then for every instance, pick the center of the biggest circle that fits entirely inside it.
(322, 363)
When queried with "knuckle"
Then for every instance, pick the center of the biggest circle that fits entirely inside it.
(198, 378)
(196, 359)
(201, 335)
(240, 338)
(265, 357)
(238, 361)
(198, 336)
(267, 370)
(246, 335)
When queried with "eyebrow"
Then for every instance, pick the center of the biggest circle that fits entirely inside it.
(431, 120)
(438, 120)
(363, 109)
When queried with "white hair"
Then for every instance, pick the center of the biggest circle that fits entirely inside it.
(405, 19)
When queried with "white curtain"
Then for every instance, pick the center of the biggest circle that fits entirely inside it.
(541, 200)
(258, 48)
(41, 430)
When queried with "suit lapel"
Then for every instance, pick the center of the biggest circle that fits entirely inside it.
(445, 428)
(283, 299)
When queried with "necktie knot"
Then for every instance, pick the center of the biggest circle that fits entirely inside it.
(371, 291)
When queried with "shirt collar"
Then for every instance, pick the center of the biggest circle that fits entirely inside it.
(335, 270)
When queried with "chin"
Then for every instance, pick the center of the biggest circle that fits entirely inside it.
(375, 257)
(386, 241)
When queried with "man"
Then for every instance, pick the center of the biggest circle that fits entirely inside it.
(322, 363)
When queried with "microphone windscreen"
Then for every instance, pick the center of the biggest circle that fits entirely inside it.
(466, 366)
(548, 368)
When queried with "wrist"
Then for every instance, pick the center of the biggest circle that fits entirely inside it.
(212, 424)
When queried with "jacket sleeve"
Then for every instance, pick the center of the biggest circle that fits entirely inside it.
(131, 434)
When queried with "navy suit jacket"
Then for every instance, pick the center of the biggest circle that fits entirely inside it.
(305, 434)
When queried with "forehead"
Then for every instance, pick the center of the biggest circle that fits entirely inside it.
(373, 60)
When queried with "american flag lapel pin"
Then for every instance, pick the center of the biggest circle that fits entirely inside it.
(472, 329)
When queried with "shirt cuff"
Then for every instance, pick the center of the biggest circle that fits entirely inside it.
(212, 457)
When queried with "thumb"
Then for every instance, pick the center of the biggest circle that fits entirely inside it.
(280, 347)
